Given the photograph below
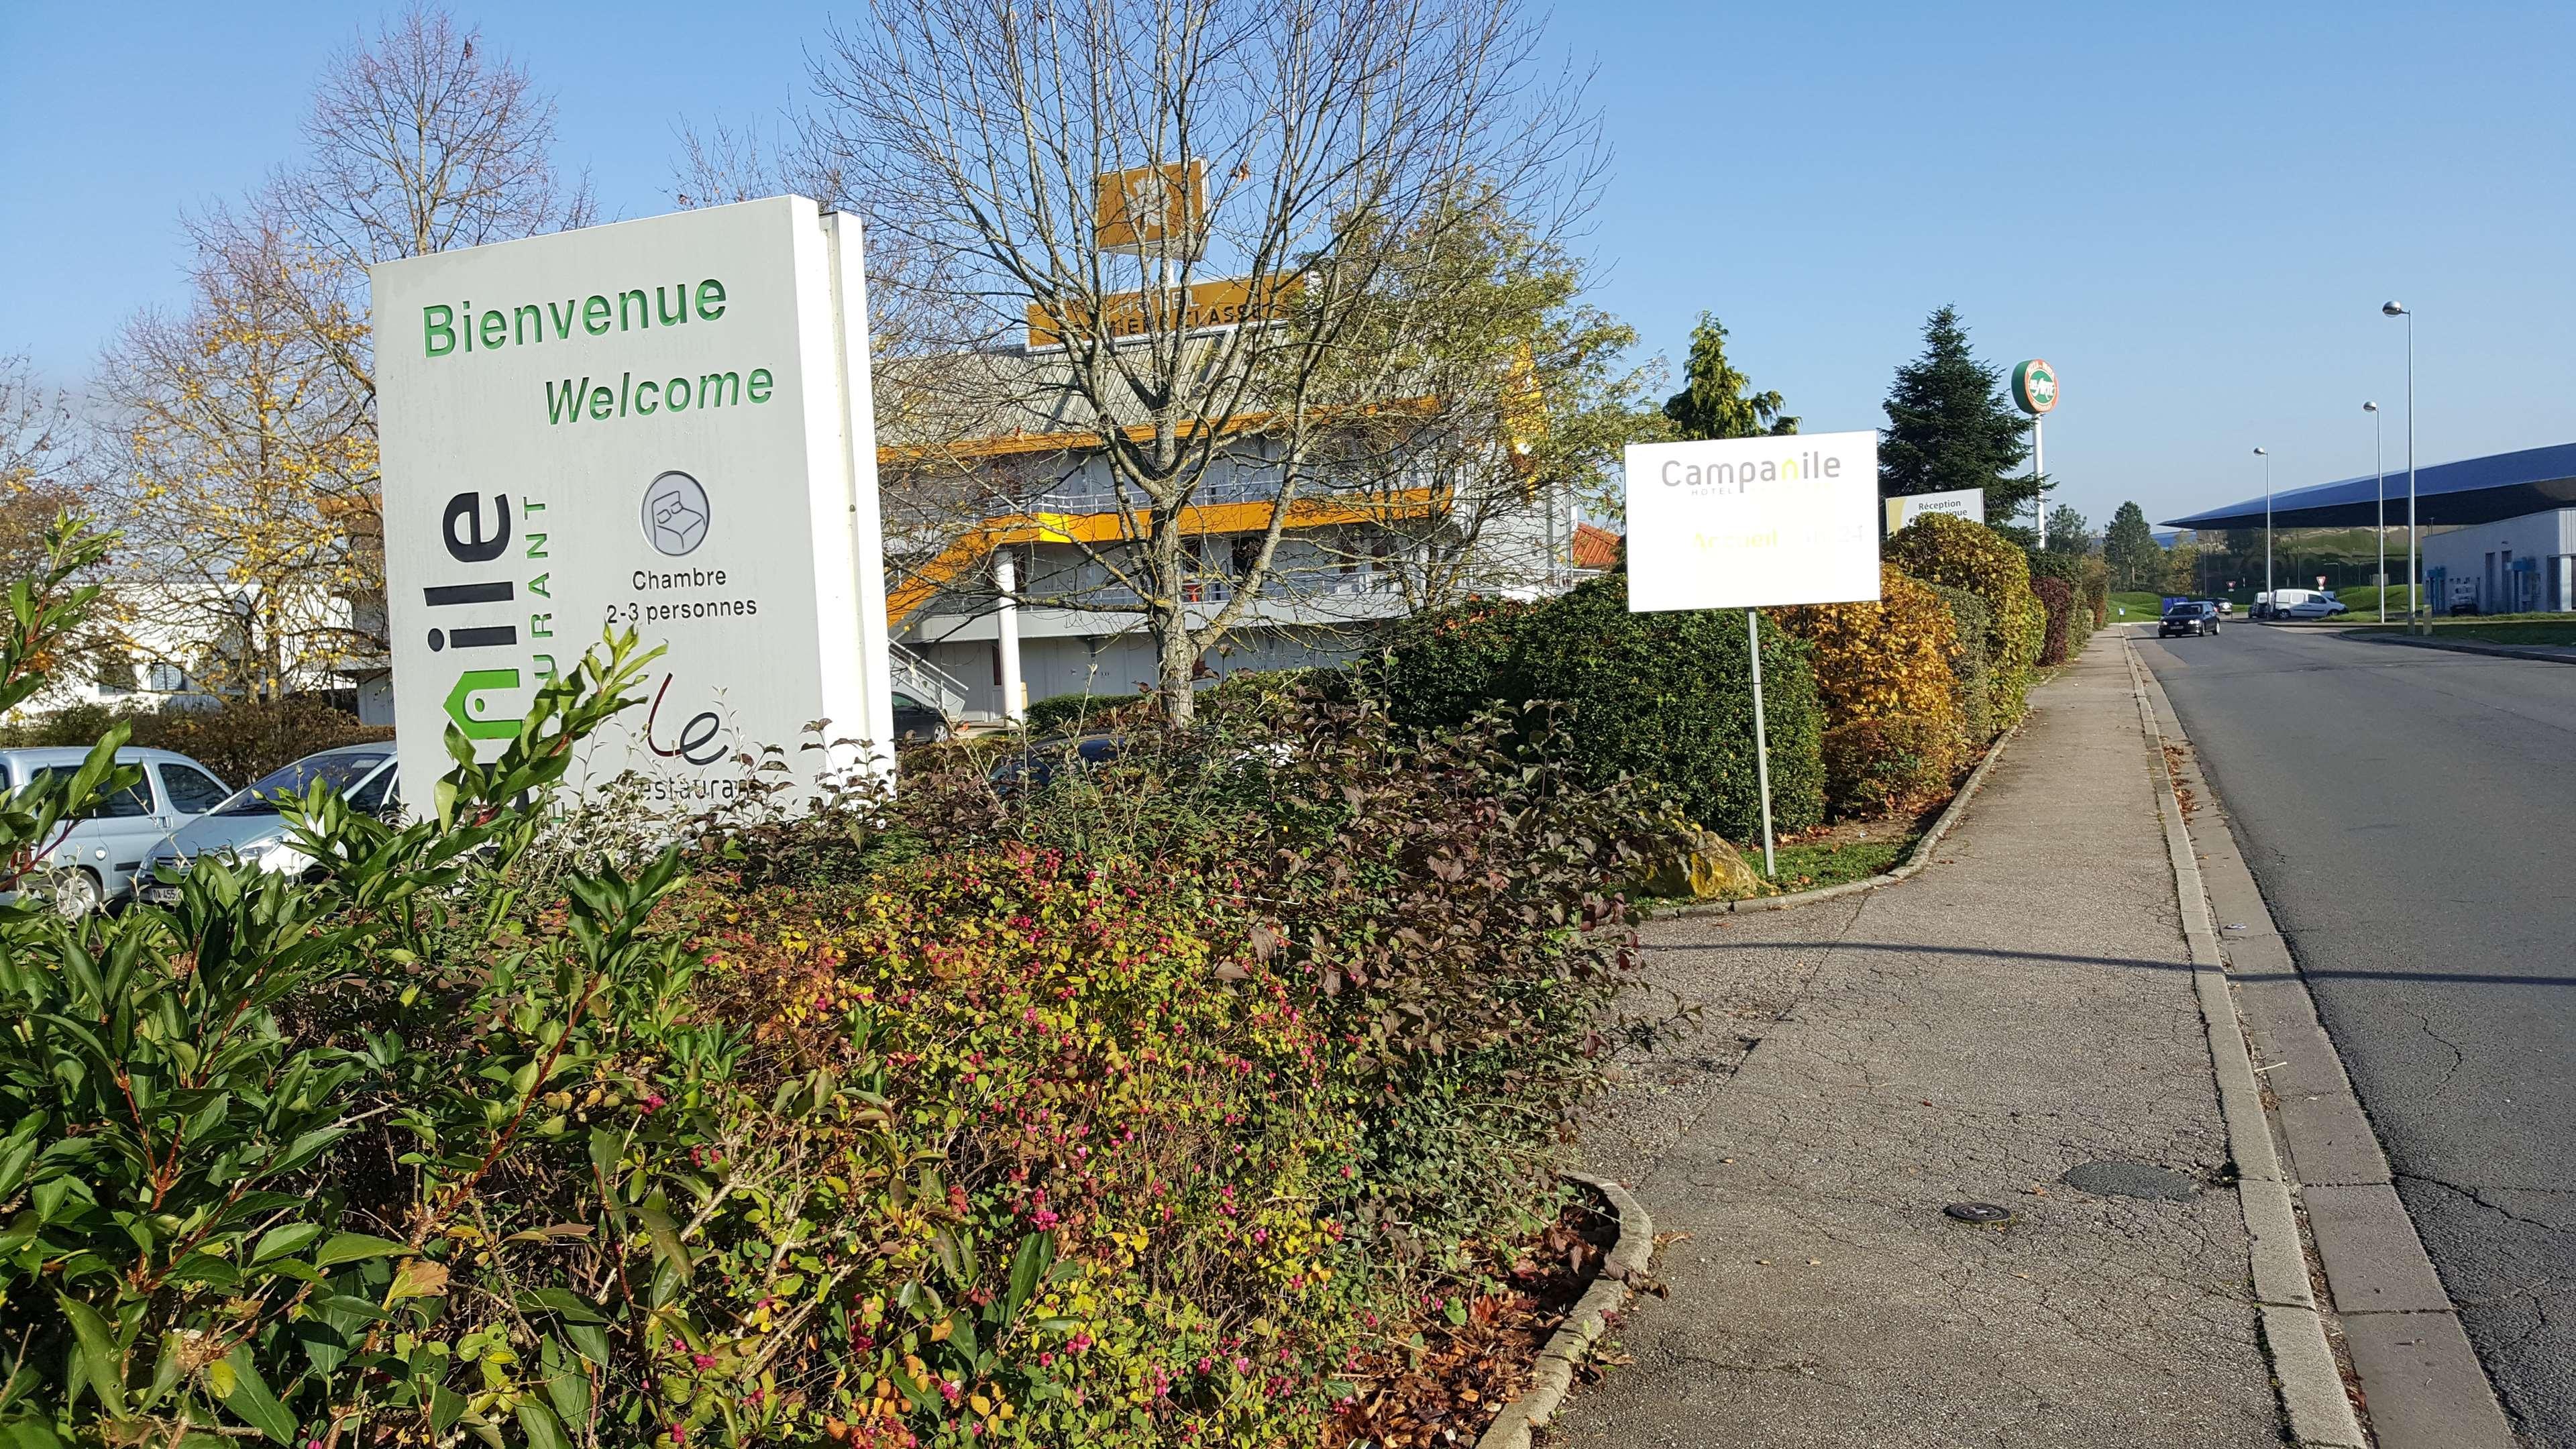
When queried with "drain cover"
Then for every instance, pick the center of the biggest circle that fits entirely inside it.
(2132, 1179)
(1978, 1212)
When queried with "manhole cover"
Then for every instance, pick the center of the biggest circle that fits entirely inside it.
(1978, 1212)
(2132, 1179)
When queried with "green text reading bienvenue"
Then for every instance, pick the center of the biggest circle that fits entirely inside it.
(446, 329)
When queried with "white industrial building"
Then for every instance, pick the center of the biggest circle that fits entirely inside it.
(2511, 566)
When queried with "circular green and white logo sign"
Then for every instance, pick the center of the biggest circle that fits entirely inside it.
(2034, 387)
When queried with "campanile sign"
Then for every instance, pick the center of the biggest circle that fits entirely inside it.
(661, 425)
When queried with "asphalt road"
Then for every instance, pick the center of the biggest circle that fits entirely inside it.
(2411, 816)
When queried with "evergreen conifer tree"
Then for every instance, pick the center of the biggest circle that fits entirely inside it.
(2131, 551)
(2068, 532)
(1713, 402)
(1950, 426)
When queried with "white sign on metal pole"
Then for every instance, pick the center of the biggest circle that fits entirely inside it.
(1750, 523)
(661, 424)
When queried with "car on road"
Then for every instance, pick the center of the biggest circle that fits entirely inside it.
(2315, 606)
(2189, 617)
(95, 860)
(249, 828)
(2280, 603)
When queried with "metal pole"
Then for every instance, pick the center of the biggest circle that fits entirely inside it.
(2038, 477)
(2413, 593)
(1761, 742)
(2382, 474)
(2271, 596)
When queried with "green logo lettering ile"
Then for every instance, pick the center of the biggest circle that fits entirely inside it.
(466, 701)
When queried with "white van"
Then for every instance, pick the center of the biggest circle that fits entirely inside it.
(2297, 604)
(94, 860)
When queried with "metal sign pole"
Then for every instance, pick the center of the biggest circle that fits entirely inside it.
(1761, 740)
(2039, 479)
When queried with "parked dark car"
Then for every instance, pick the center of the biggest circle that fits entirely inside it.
(2194, 617)
(1043, 762)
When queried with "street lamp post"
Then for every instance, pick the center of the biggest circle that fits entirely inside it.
(2414, 593)
(2372, 408)
(2270, 599)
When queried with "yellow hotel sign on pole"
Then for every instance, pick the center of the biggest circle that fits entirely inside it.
(1146, 207)
(1207, 305)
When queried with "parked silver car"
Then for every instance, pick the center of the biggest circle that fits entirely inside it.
(95, 861)
(249, 828)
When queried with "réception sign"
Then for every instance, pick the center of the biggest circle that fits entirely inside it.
(1738, 523)
(1967, 503)
(661, 424)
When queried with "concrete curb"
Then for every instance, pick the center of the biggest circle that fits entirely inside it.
(2461, 646)
(1553, 1376)
(2304, 1372)
(1915, 859)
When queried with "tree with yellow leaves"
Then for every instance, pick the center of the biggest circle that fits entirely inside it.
(242, 463)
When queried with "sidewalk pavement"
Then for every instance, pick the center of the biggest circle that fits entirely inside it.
(2021, 1009)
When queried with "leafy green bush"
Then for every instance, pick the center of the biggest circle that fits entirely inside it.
(1663, 698)
(2096, 590)
(1446, 665)
(1940, 549)
(1891, 655)
(240, 740)
(2047, 565)
(2057, 597)
(1125, 1111)
(1974, 668)
(1395, 942)
(1068, 713)
(1891, 763)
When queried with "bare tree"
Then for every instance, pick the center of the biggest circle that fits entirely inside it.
(1289, 146)
(423, 140)
(40, 465)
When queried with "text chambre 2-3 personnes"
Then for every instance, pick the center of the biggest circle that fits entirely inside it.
(459, 330)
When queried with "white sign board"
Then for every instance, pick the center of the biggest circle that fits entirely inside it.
(661, 424)
(1967, 503)
(1739, 523)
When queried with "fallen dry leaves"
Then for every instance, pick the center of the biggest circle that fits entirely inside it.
(1445, 1392)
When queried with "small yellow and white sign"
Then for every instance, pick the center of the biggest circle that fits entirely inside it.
(1739, 523)
(1161, 209)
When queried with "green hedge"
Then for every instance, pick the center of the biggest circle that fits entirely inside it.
(1940, 549)
(1666, 698)
(2057, 596)
(1976, 669)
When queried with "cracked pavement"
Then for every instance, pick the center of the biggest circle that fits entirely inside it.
(2020, 1008)
(2407, 814)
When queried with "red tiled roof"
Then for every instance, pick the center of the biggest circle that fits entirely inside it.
(1595, 548)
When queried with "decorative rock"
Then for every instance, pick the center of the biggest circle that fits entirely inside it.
(1699, 865)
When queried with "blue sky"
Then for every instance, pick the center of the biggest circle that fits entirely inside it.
(2193, 211)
